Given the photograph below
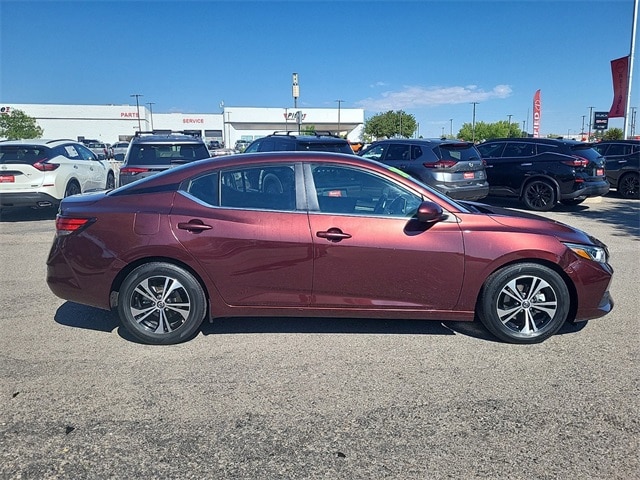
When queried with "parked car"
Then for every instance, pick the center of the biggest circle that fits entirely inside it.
(292, 141)
(119, 150)
(214, 145)
(39, 173)
(152, 152)
(622, 159)
(290, 234)
(542, 171)
(450, 166)
(241, 145)
(100, 149)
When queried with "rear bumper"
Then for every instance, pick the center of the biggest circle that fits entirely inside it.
(28, 199)
(589, 189)
(467, 192)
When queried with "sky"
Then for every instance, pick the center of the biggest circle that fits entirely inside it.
(436, 60)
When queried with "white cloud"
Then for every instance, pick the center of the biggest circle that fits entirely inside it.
(418, 97)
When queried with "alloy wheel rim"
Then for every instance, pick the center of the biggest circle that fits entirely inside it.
(160, 304)
(630, 186)
(539, 195)
(527, 304)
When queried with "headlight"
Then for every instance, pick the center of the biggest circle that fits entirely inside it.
(590, 252)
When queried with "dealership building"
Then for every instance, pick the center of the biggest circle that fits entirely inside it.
(111, 123)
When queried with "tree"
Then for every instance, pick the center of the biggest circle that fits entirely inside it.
(613, 134)
(391, 124)
(17, 125)
(486, 131)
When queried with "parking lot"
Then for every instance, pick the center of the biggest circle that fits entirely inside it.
(308, 398)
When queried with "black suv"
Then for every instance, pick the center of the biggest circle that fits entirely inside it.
(452, 167)
(542, 171)
(153, 152)
(291, 141)
(622, 162)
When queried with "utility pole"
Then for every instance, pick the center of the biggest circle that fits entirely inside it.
(151, 104)
(590, 120)
(339, 103)
(473, 123)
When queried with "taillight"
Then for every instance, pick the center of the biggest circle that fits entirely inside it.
(45, 166)
(133, 170)
(576, 162)
(67, 225)
(441, 164)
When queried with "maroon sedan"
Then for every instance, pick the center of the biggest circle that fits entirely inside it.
(318, 235)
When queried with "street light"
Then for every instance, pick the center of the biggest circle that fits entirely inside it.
(137, 95)
(590, 117)
(509, 126)
(151, 104)
(451, 127)
(339, 103)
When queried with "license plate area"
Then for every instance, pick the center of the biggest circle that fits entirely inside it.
(7, 178)
(468, 175)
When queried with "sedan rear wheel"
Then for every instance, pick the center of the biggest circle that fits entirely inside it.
(539, 195)
(629, 186)
(524, 303)
(161, 303)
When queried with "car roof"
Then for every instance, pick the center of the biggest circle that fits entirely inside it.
(564, 141)
(422, 141)
(38, 141)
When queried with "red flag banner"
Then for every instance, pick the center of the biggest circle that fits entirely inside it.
(620, 73)
(537, 114)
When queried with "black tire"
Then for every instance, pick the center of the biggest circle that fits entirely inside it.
(157, 317)
(72, 189)
(629, 186)
(524, 303)
(111, 181)
(539, 195)
(572, 202)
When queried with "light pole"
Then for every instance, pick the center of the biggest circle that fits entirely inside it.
(451, 127)
(473, 123)
(151, 104)
(509, 126)
(295, 89)
(590, 117)
(137, 95)
(339, 103)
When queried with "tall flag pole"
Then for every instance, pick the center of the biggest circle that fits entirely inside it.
(631, 57)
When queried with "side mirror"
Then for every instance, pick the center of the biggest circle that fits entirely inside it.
(430, 212)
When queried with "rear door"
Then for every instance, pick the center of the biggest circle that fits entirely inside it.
(252, 240)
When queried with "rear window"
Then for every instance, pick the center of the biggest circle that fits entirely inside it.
(456, 151)
(334, 147)
(166, 154)
(585, 151)
(22, 154)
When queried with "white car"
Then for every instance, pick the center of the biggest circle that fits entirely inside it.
(40, 173)
(119, 150)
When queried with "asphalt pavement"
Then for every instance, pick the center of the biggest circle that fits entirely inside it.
(315, 398)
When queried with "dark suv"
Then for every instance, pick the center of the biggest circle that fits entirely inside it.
(153, 152)
(542, 171)
(291, 141)
(450, 166)
(622, 162)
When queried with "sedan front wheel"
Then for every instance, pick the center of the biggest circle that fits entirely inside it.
(524, 303)
(161, 303)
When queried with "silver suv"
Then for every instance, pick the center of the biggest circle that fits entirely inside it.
(153, 152)
(452, 167)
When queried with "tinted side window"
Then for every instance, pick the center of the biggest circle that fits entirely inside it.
(619, 149)
(71, 152)
(519, 150)
(416, 152)
(271, 187)
(205, 188)
(22, 154)
(376, 152)
(254, 147)
(398, 152)
(488, 150)
(85, 153)
(546, 148)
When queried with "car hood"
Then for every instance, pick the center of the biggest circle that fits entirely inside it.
(528, 222)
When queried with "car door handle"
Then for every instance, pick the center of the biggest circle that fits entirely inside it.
(526, 164)
(333, 235)
(194, 226)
